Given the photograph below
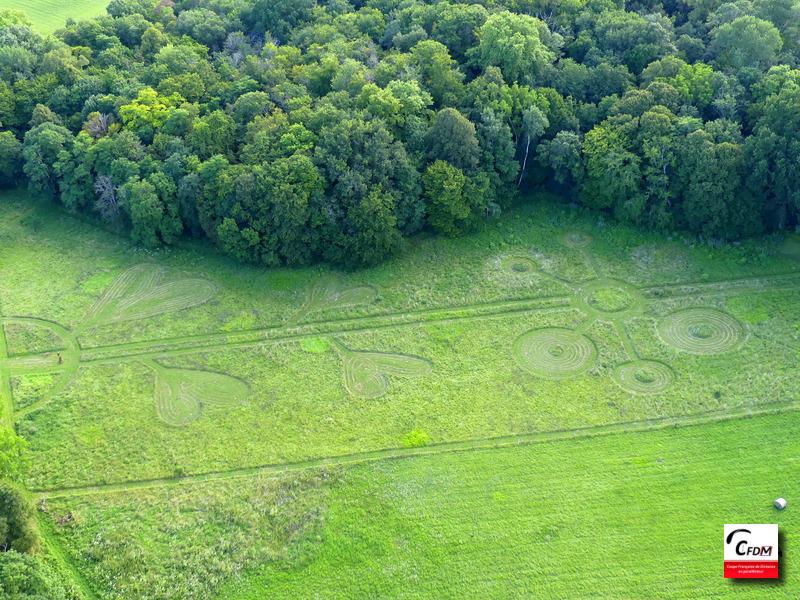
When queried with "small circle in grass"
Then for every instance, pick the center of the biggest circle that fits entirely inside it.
(519, 265)
(643, 376)
(609, 299)
(701, 331)
(578, 239)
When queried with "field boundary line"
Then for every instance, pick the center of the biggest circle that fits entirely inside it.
(5, 381)
(667, 291)
(56, 551)
(279, 334)
(396, 453)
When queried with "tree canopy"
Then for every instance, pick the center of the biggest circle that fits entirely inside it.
(297, 131)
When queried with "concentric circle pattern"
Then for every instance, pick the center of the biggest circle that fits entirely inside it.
(643, 376)
(608, 299)
(519, 265)
(555, 353)
(578, 239)
(701, 331)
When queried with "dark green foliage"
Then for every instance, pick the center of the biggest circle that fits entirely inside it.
(452, 138)
(27, 577)
(10, 159)
(17, 525)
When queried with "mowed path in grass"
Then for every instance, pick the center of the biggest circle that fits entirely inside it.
(49, 15)
(627, 516)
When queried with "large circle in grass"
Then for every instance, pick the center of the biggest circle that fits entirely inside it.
(701, 331)
(555, 353)
(610, 298)
(643, 376)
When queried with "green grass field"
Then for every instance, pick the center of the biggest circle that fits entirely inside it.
(622, 516)
(262, 391)
(49, 15)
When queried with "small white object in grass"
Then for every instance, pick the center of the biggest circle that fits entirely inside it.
(780, 503)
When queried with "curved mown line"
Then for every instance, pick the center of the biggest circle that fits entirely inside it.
(554, 352)
(643, 376)
(701, 331)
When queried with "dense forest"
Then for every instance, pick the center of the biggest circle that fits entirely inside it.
(293, 131)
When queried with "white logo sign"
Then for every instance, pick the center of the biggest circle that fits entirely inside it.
(751, 551)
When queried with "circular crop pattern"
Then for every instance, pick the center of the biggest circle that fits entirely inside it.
(701, 331)
(578, 239)
(643, 376)
(609, 299)
(555, 353)
(517, 264)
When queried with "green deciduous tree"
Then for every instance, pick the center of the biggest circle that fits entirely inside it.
(747, 42)
(444, 193)
(153, 210)
(563, 155)
(772, 155)
(709, 177)
(534, 124)
(17, 525)
(513, 43)
(213, 134)
(440, 74)
(13, 455)
(456, 202)
(74, 169)
(28, 577)
(452, 138)
(11, 160)
(41, 149)
(149, 108)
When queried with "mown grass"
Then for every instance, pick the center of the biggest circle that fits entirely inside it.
(394, 523)
(635, 515)
(105, 428)
(49, 15)
(628, 516)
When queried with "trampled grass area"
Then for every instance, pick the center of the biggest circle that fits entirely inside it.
(126, 366)
(636, 515)
(49, 15)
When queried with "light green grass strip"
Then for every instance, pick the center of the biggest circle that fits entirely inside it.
(6, 401)
(394, 453)
(49, 15)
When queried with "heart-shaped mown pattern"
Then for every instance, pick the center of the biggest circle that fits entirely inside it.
(328, 292)
(181, 394)
(365, 373)
(136, 294)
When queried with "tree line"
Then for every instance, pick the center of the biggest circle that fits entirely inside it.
(304, 130)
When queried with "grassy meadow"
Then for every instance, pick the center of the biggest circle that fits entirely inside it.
(182, 366)
(636, 515)
(49, 15)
